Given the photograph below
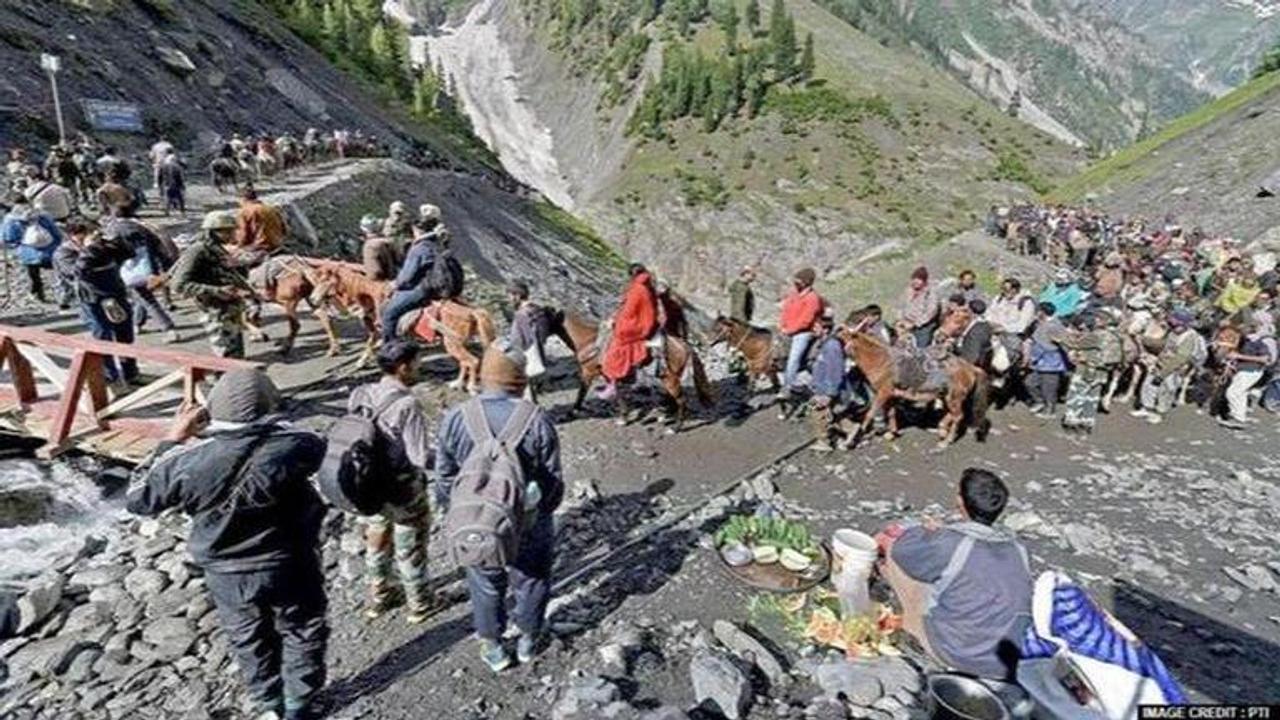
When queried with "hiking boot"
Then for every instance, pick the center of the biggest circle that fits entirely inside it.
(494, 655)
(1140, 413)
(1155, 418)
(421, 613)
(138, 381)
(822, 446)
(1231, 424)
(526, 649)
(608, 392)
(381, 605)
(1037, 408)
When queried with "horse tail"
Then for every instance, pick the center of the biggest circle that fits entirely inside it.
(700, 381)
(981, 402)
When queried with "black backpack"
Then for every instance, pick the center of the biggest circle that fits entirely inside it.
(445, 277)
(347, 478)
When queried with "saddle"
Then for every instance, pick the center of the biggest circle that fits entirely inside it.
(422, 323)
(919, 370)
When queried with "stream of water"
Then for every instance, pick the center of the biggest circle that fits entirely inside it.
(47, 513)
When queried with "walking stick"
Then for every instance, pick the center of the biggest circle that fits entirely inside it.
(8, 286)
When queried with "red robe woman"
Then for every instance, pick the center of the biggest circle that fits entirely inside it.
(635, 322)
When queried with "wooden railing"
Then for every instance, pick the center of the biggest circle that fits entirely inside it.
(81, 389)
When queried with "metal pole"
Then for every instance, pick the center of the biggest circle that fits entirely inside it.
(57, 107)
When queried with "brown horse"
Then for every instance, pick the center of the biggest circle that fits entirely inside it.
(756, 345)
(581, 337)
(348, 290)
(964, 381)
(285, 281)
(455, 324)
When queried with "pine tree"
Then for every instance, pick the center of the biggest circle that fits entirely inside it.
(330, 28)
(355, 37)
(753, 16)
(729, 23)
(305, 22)
(807, 61)
(381, 56)
(782, 40)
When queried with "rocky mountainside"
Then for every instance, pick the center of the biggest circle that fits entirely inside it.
(878, 150)
(1204, 169)
(1216, 43)
(1071, 68)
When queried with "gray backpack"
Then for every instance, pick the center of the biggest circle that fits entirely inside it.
(487, 502)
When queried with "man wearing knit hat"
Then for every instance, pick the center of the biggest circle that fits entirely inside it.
(398, 534)
(242, 476)
(377, 253)
(538, 451)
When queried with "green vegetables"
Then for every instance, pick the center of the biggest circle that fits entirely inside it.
(761, 531)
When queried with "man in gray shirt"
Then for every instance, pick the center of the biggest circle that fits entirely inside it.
(965, 587)
(398, 534)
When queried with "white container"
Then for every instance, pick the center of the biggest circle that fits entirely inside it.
(855, 556)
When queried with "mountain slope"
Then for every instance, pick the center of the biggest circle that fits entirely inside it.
(880, 149)
(1204, 168)
(242, 70)
(1074, 70)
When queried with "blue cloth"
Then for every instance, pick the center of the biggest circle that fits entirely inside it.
(539, 450)
(417, 262)
(1066, 299)
(1047, 358)
(531, 576)
(400, 304)
(829, 376)
(800, 343)
(1085, 628)
(12, 229)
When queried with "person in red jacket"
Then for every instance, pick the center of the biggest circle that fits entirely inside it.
(801, 310)
(635, 322)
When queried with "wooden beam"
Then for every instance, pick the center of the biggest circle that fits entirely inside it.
(66, 415)
(47, 340)
(95, 381)
(24, 382)
(142, 394)
(191, 386)
(47, 367)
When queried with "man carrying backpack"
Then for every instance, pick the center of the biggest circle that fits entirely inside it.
(34, 237)
(255, 532)
(410, 284)
(400, 528)
(476, 476)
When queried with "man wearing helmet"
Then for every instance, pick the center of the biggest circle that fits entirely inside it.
(204, 273)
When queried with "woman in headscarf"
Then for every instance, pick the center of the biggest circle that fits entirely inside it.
(635, 322)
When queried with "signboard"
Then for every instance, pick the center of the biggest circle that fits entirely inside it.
(50, 63)
(109, 116)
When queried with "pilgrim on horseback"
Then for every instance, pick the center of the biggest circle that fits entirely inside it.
(801, 310)
(634, 325)
(411, 284)
(920, 308)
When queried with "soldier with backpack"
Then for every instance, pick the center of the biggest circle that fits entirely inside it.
(499, 481)
(396, 532)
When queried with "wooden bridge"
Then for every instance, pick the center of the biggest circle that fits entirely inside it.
(71, 407)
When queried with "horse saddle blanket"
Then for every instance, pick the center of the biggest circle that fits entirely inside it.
(425, 322)
(920, 370)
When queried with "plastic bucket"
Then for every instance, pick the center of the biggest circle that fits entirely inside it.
(854, 548)
(855, 555)
(959, 697)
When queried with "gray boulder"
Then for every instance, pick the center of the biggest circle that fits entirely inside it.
(39, 601)
(751, 650)
(171, 637)
(844, 680)
(719, 682)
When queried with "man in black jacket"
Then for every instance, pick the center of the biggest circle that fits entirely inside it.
(90, 263)
(255, 531)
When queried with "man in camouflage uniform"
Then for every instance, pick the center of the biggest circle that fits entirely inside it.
(397, 535)
(1095, 350)
(205, 274)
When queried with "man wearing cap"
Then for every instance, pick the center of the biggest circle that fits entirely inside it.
(801, 310)
(204, 273)
(1093, 355)
(831, 387)
(145, 271)
(90, 264)
(379, 255)
(411, 292)
(742, 299)
(503, 379)
(1046, 360)
(242, 477)
(920, 308)
(398, 227)
(974, 343)
(259, 226)
(1184, 350)
(398, 534)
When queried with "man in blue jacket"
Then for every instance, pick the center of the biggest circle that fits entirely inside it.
(503, 380)
(831, 387)
(34, 249)
(410, 286)
(255, 531)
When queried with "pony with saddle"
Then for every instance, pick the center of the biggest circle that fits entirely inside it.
(966, 387)
(583, 338)
(757, 346)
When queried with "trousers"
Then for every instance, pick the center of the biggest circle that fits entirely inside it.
(101, 328)
(1043, 387)
(275, 623)
(401, 303)
(1238, 392)
(800, 343)
(398, 537)
(530, 577)
(1083, 395)
(1158, 394)
(145, 303)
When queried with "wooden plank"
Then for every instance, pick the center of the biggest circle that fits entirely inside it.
(191, 386)
(24, 382)
(47, 367)
(142, 394)
(46, 340)
(66, 414)
(95, 381)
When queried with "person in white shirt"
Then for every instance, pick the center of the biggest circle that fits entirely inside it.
(48, 197)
